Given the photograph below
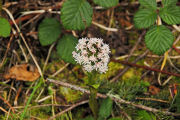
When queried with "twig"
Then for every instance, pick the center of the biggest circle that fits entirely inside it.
(166, 81)
(60, 70)
(68, 109)
(154, 66)
(152, 99)
(5, 55)
(5, 101)
(116, 99)
(135, 46)
(22, 49)
(49, 53)
(38, 106)
(147, 68)
(150, 56)
(176, 27)
(40, 12)
(104, 27)
(29, 50)
(126, 68)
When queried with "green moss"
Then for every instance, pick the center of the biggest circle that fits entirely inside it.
(113, 68)
(69, 94)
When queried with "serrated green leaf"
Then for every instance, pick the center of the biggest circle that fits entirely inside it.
(143, 115)
(144, 18)
(105, 108)
(49, 31)
(167, 3)
(151, 4)
(5, 27)
(116, 118)
(106, 3)
(76, 14)
(170, 15)
(65, 47)
(159, 39)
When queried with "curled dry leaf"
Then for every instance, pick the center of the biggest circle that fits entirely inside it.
(23, 72)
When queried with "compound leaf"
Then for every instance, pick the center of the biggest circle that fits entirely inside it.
(49, 31)
(170, 15)
(143, 115)
(65, 47)
(159, 39)
(144, 18)
(167, 3)
(106, 3)
(5, 27)
(151, 4)
(76, 14)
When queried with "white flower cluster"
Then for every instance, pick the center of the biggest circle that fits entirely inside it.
(92, 54)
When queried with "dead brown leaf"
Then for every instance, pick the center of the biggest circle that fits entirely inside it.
(154, 90)
(23, 72)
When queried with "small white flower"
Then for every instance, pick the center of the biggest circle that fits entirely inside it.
(92, 54)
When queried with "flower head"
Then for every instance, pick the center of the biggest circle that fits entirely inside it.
(92, 54)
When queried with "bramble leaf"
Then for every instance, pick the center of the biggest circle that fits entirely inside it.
(167, 3)
(144, 18)
(106, 3)
(76, 14)
(5, 27)
(143, 115)
(65, 47)
(49, 31)
(151, 4)
(170, 15)
(159, 39)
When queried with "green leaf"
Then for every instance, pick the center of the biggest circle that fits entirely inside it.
(116, 118)
(76, 14)
(49, 31)
(167, 3)
(105, 108)
(106, 3)
(5, 28)
(65, 47)
(144, 18)
(151, 4)
(159, 39)
(143, 115)
(170, 15)
(93, 104)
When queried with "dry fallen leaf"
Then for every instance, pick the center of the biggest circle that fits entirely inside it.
(154, 90)
(23, 72)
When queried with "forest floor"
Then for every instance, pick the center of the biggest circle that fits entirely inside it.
(140, 87)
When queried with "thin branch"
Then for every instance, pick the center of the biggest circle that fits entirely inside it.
(147, 68)
(104, 27)
(135, 46)
(126, 68)
(60, 70)
(29, 50)
(49, 53)
(5, 55)
(68, 109)
(5, 101)
(114, 98)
